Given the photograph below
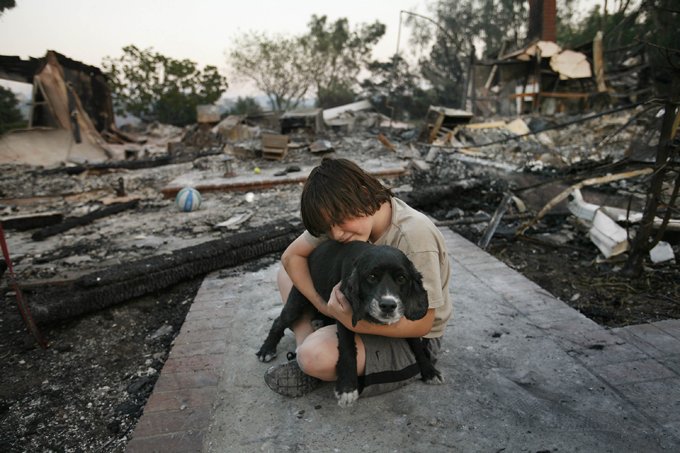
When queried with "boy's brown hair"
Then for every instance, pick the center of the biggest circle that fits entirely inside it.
(337, 190)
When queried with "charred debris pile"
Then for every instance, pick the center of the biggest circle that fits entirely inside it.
(88, 227)
(504, 177)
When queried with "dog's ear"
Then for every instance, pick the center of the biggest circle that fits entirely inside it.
(416, 303)
(351, 289)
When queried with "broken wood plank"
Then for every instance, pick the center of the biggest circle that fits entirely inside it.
(121, 283)
(598, 62)
(435, 127)
(495, 220)
(386, 143)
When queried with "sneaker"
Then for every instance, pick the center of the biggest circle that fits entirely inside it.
(288, 379)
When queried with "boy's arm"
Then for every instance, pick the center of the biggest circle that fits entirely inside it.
(294, 261)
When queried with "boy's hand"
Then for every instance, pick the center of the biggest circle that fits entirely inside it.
(338, 306)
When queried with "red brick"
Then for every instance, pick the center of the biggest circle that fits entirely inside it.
(183, 442)
(208, 313)
(195, 336)
(170, 381)
(168, 422)
(184, 398)
(205, 324)
(194, 363)
(199, 348)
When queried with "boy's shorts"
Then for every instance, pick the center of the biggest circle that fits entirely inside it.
(390, 363)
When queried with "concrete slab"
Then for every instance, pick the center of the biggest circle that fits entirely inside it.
(651, 339)
(524, 373)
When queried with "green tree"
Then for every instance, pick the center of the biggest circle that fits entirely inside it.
(276, 65)
(6, 4)
(336, 55)
(394, 90)
(158, 88)
(656, 25)
(448, 36)
(620, 26)
(246, 106)
(10, 116)
(456, 31)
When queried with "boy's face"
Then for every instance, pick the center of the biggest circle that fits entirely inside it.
(353, 229)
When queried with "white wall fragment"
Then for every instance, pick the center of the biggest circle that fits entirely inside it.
(661, 252)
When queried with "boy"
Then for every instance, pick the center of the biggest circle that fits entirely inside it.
(342, 202)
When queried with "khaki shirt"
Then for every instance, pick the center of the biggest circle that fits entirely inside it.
(413, 233)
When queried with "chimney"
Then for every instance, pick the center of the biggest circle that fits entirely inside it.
(543, 20)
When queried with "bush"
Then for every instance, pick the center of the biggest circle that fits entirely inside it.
(10, 116)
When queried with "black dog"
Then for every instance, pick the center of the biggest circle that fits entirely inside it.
(380, 283)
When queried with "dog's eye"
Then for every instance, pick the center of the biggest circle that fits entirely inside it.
(372, 278)
(401, 279)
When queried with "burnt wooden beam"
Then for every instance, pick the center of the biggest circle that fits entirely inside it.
(123, 282)
(427, 196)
(29, 222)
(72, 222)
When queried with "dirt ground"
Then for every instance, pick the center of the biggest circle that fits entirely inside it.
(86, 391)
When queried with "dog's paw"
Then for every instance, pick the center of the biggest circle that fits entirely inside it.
(346, 399)
(265, 356)
(436, 379)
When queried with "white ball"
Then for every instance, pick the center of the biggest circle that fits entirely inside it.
(188, 199)
(250, 197)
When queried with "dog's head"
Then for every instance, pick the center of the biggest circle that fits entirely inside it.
(383, 286)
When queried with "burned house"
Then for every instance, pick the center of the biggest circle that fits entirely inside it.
(71, 107)
(543, 77)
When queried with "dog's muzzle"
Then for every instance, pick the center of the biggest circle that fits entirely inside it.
(386, 309)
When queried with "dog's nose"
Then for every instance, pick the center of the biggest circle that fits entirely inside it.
(387, 305)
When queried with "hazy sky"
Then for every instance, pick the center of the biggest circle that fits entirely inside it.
(199, 30)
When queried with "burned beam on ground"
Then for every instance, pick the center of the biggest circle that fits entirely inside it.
(426, 196)
(135, 164)
(72, 222)
(126, 281)
(29, 222)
